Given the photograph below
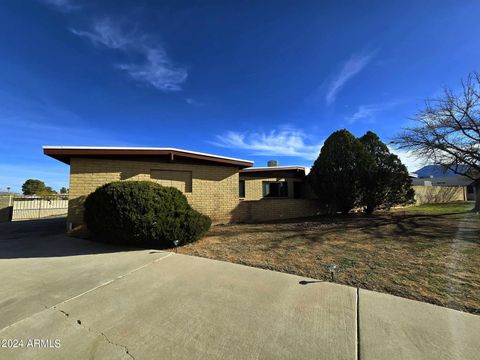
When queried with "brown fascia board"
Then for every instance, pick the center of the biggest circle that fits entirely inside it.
(281, 171)
(64, 153)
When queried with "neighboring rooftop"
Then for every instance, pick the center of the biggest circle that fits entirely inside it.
(65, 153)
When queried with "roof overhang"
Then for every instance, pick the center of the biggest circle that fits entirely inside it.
(272, 169)
(65, 153)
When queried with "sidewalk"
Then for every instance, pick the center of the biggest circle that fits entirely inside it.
(183, 307)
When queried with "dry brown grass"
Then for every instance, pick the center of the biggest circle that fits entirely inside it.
(421, 255)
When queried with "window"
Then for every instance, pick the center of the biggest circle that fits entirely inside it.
(241, 189)
(181, 180)
(275, 189)
(298, 190)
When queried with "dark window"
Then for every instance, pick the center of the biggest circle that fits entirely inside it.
(275, 189)
(241, 189)
(298, 190)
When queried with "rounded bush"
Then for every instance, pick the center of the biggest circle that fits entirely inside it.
(142, 213)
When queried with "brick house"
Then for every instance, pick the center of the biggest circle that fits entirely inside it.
(224, 188)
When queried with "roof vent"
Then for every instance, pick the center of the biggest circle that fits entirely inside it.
(272, 163)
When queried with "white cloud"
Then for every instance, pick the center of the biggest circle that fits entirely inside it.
(352, 67)
(409, 159)
(283, 142)
(155, 70)
(368, 112)
(106, 33)
(63, 5)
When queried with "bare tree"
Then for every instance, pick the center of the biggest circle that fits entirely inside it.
(447, 132)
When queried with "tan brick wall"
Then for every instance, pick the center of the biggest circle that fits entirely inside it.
(214, 188)
(181, 180)
(275, 209)
(439, 194)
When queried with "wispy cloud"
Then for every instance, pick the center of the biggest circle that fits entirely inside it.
(63, 5)
(194, 102)
(350, 68)
(283, 142)
(368, 112)
(155, 70)
(106, 33)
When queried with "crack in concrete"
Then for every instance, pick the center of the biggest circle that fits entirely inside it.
(98, 333)
(116, 344)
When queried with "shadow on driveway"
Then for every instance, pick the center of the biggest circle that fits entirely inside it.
(47, 238)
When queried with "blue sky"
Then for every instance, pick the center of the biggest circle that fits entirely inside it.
(249, 79)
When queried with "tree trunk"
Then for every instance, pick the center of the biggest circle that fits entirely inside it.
(476, 186)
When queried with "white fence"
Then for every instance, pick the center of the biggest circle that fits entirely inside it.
(28, 208)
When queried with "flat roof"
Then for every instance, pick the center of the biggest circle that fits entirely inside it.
(64, 153)
(273, 168)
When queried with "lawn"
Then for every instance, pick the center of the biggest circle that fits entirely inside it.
(429, 253)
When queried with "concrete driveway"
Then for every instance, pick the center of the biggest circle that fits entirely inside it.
(76, 299)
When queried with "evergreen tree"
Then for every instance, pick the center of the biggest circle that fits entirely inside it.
(338, 173)
(33, 187)
(386, 182)
(36, 187)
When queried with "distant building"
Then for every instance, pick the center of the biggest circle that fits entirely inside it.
(437, 175)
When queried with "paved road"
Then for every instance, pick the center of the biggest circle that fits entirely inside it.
(102, 302)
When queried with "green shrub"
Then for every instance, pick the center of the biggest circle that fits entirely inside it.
(142, 213)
